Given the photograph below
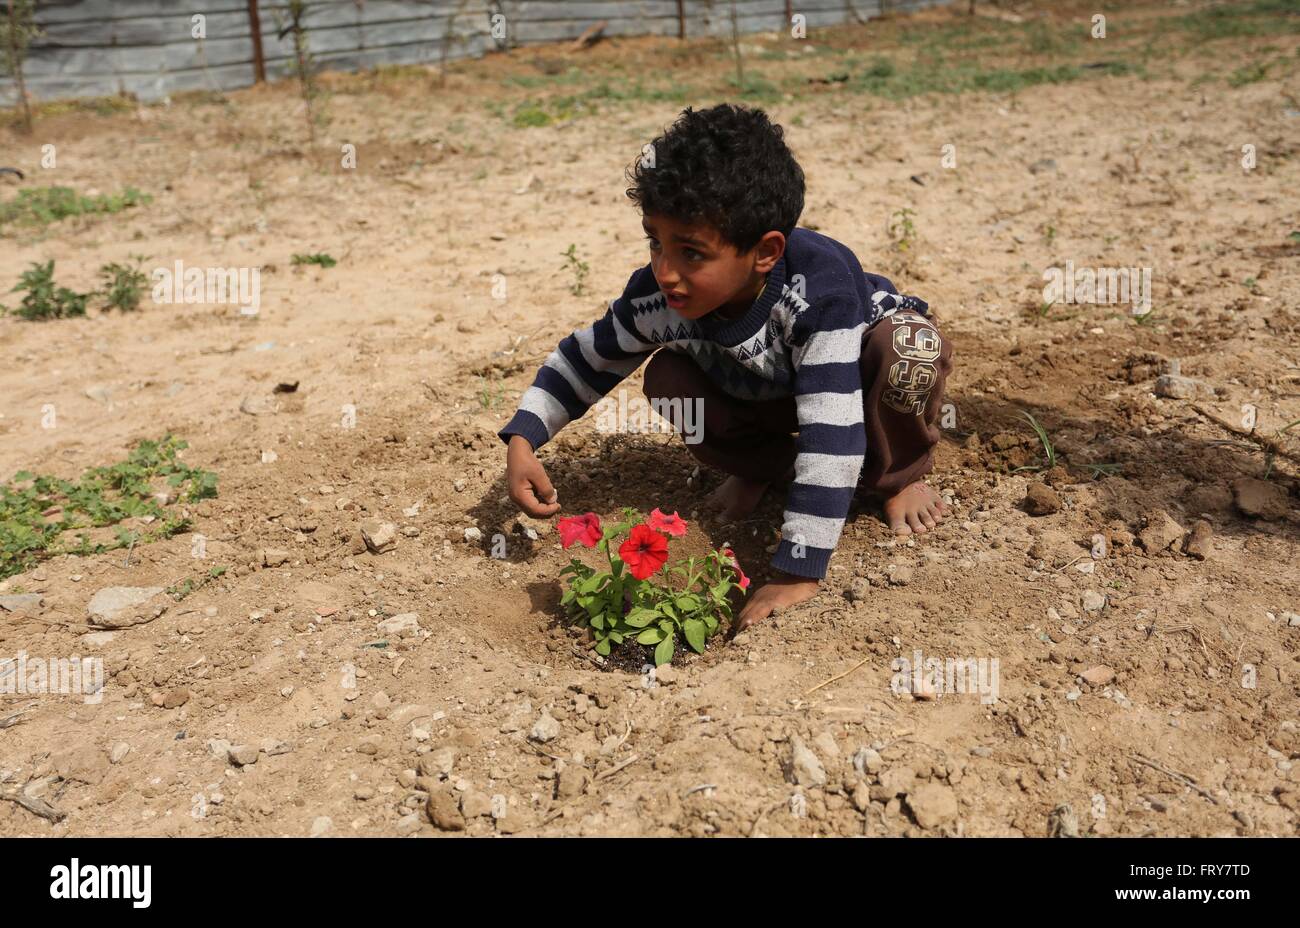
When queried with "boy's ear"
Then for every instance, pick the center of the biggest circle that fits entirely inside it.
(768, 251)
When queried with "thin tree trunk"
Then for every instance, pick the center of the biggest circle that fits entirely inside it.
(681, 19)
(19, 79)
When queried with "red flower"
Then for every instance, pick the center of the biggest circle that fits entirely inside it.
(673, 525)
(743, 583)
(584, 529)
(645, 551)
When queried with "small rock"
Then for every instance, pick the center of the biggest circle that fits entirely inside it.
(805, 768)
(571, 782)
(1098, 676)
(1160, 532)
(219, 747)
(242, 755)
(544, 729)
(274, 557)
(321, 824)
(867, 762)
(666, 674)
(900, 575)
(896, 781)
(22, 603)
(444, 811)
(408, 824)
(379, 536)
(406, 625)
(364, 793)
(274, 746)
(1093, 601)
(1178, 387)
(124, 606)
(473, 535)
(1259, 499)
(176, 698)
(475, 804)
(119, 751)
(1041, 500)
(932, 805)
(1197, 543)
(438, 763)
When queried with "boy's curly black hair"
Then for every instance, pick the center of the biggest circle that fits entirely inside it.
(727, 165)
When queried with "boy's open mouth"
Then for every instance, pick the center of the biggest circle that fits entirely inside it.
(677, 301)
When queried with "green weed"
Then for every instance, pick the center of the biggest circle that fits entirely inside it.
(40, 206)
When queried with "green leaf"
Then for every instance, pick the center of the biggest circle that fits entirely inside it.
(668, 610)
(668, 626)
(598, 620)
(602, 648)
(664, 651)
(616, 637)
(687, 602)
(651, 636)
(711, 622)
(695, 634)
(640, 617)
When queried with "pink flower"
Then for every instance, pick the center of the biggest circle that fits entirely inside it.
(743, 583)
(584, 529)
(673, 525)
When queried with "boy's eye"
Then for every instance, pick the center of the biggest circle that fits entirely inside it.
(653, 242)
(693, 255)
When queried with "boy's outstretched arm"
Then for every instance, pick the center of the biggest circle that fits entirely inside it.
(831, 446)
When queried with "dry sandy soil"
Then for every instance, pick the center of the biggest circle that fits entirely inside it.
(1148, 691)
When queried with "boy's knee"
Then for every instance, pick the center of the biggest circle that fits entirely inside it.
(667, 374)
(913, 357)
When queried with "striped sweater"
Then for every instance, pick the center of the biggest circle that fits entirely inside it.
(802, 337)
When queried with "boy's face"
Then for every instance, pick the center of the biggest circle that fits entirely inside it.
(699, 272)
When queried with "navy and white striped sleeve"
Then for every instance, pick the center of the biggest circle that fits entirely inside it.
(826, 348)
(584, 367)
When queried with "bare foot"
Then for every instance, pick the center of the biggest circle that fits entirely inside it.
(736, 497)
(915, 508)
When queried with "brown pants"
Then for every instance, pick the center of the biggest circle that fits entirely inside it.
(905, 363)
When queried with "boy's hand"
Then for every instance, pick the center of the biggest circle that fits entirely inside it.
(785, 590)
(526, 480)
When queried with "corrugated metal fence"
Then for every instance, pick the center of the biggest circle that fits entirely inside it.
(151, 48)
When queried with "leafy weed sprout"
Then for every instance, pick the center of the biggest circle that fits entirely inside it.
(579, 268)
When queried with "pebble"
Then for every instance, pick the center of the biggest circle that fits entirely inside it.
(379, 536)
(1159, 533)
(1093, 601)
(320, 825)
(805, 768)
(242, 755)
(1041, 500)
(444, 811)
(273, 747)
(124, 606)
(1098, 676)
(119, 751)
(438, 763)
(1197, 543)
(1259, 499)
(408, 824)
(364, 793)
(544, 729)
(867, 762)
(274, 557)
(472, 534)
(406, 625)
(900, 575)
(932, 805)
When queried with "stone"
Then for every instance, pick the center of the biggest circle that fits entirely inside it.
(406, 625)
(1041, 500)
(1093, 601)
(544, 729)
(438, 763)
(826, 744)
(124, 606)
(176, 698)
(1159, 533)
(900, 575)
(473, 535)
(1197, 543)
(666, 674)
(896, 781)
(408, 824)
(379, 536)
(867, 762)
(320, 825)
(571, 782)
(274, 557)
(1259, 499)
(22, 603)
(805, 768)
(219, 747)
(243, 755)
(1098, 676)
(444, 811)
(1178, 387)
(475, 804)
(932, 805)
(119, 751)
(274, 746)
(861, 796)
